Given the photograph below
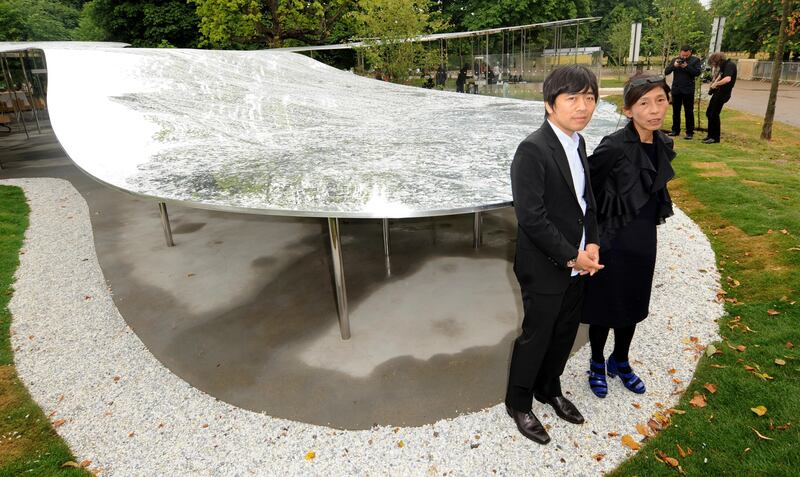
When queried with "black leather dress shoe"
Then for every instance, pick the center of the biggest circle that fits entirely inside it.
(529, 426)
(563, 407)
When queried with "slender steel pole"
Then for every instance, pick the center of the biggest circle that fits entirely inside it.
(162, 208)
(338, 277)
(476, 231)
(386, 249)
(29, 88)
(13, 94)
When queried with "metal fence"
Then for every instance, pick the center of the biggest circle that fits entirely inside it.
(790, 71)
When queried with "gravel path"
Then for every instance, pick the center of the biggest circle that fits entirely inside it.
(130, 415)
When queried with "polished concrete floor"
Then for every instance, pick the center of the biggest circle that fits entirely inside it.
(243, 306)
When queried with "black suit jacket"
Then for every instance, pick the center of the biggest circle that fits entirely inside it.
(551, 222)
(683, 78)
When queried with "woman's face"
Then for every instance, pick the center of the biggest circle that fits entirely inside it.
(649, 111)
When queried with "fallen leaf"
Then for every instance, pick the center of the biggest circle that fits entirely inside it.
(642, 429)
(741, 348)
(636, 405)
(764, 376)
(759, 410)
(71, 463)
(677, 411)
(710, 387)
(718, 366)
(780, 362)
(699, 400)
(598, 457)
(613, 434)
(628, 441)
(762, 436)
(789, 345)
(672, 371)
(659, 405)
(310, 455)
(85, 463)
(772, 312)
(747, 449)
(401, 444)
(59, 423)
(681, 452)
(710, 350)
(671, 461)
(784, 232)
(654, 425)
(749, 368)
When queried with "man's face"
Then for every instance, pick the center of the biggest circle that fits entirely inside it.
(686, 54)
(571, 112)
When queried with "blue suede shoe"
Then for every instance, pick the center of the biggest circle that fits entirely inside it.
(597, 378)
(629, 379)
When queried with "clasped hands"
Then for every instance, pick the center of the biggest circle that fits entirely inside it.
(588, 261)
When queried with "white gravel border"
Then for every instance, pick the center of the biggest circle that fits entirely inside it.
(130, 415)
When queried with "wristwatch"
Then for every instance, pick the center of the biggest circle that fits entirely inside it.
(571, 263)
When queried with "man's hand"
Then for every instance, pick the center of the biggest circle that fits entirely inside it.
(589, 260)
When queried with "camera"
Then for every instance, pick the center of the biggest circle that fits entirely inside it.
(680, 61)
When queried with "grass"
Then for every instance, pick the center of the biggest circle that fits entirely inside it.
(744, 193)
(28, 443)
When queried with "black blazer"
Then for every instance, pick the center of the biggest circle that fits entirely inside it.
(623, 179)
(550, 219)
(683, 78)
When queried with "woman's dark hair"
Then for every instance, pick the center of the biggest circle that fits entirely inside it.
(639, 85)
(569, 79)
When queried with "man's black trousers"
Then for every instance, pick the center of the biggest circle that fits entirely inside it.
(687, 102)
(712, 113)
(541, 351)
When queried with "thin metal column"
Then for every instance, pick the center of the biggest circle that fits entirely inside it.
(162, 208)
(477, 236)
(338, 276)
(13, 94)
(386, 249)
(29, 87)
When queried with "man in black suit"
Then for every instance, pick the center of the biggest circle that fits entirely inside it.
(684, 69)
(556, 246)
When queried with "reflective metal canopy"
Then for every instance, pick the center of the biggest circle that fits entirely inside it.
(279, 133)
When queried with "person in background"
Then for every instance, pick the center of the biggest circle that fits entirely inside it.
(629, 171)
(461, 80)
(685, 68)
(720, 90)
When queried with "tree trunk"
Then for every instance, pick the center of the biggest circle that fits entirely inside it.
(766, 129)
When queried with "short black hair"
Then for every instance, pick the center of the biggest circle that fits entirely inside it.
(568, 79)
(639, 85)
(686, 48)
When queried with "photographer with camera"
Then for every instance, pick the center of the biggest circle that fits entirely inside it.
(720, 90)
(684, 69)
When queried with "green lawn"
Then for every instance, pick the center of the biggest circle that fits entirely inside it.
(28, 443)
(745, 194)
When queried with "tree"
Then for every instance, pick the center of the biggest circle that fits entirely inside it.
(247, 24)
(619, 35)
(386, 25)
(148, 23)
(37, 20)
(681, 22)
(753, 25)
(766, 129)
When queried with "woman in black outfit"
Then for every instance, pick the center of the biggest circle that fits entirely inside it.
(629, 173)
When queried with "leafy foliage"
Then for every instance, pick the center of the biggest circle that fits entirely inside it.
(146, 24)
(385, 24)
(753, 25)
(246, 24)
(37, 20)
